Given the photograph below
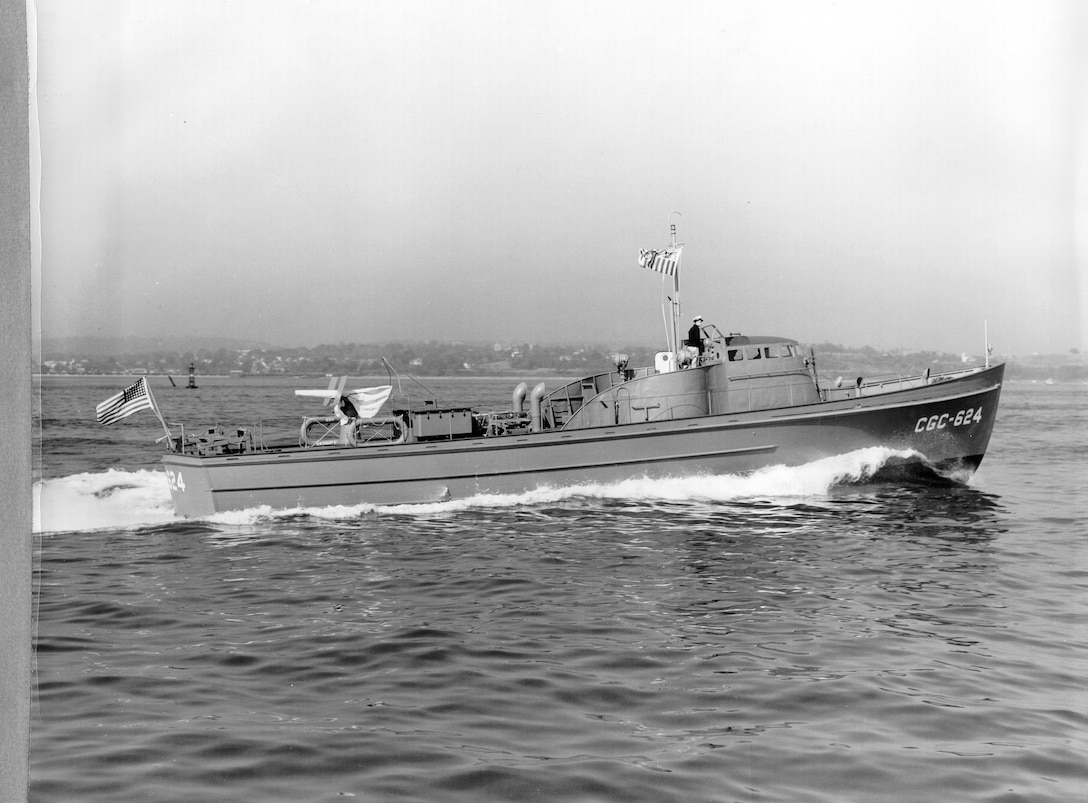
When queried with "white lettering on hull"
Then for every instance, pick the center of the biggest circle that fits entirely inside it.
(958, 419)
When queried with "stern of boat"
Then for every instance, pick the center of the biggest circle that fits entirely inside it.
(190, 488)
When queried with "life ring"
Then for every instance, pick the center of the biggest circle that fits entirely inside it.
(327, 435)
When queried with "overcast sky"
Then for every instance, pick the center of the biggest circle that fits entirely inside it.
(870, 173)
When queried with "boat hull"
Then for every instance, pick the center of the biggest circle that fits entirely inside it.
(948, 423)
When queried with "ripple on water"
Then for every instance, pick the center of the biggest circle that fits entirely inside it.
(867, 643)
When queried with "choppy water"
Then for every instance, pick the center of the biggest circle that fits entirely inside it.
(791, 636)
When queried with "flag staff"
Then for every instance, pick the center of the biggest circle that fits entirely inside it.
(136, 396)
(155, 407)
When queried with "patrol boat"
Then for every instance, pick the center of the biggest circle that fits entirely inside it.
(716, 403)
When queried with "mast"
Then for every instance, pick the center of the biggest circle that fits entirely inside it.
(667, 262)
(676, 324)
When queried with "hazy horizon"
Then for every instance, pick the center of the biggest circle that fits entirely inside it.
(884, 174)
(133, 345)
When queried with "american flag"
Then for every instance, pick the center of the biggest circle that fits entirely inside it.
(135, 397)
(666, 261)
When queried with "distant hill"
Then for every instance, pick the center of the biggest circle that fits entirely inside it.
(223, 356)
(94, 347)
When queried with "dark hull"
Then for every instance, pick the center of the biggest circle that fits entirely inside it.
(948, 423)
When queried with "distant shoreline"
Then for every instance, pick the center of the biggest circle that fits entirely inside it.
(184, 377)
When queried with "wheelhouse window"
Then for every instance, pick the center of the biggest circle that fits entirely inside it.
(781, 350)
(761, 352)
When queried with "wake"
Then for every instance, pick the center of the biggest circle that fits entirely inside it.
(132, 499)
(106, 500)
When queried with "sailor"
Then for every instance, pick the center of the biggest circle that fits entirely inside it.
(695, 334)
(346, 408)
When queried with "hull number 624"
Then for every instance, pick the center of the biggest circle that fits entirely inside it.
(176, 481)
(957, 419)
